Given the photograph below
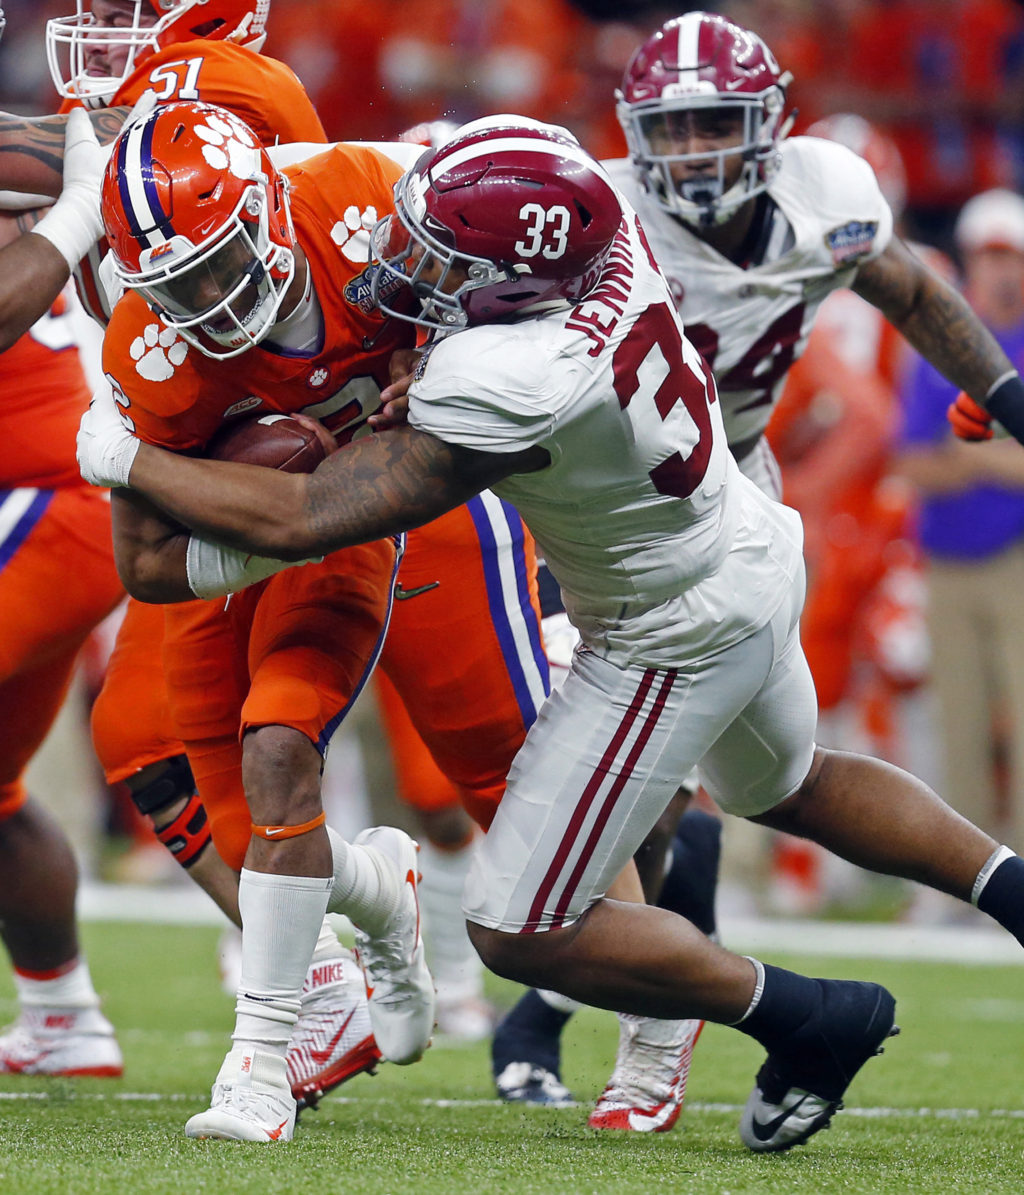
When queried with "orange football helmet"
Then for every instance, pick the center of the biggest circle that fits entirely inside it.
(199, 224)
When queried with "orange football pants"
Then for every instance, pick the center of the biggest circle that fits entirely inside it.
(294, 650)
(464, 656)
(131, 716)
(57, 581)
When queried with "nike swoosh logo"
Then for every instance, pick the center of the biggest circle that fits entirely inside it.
(273, 1134)
(411, 880)
(320, 1056)
(402, 594)
(270, 831)
(765, 1130)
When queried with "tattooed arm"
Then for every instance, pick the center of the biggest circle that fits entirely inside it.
(934, 318)
(32, 148)
(32, 275)
(377, 486)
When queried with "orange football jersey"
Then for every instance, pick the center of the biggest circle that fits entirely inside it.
(44, 394)
(264, 92)
(178, 398)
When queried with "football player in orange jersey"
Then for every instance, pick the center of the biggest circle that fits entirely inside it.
(329, 356)
(119, 53)
(50, 527)
(469, 545)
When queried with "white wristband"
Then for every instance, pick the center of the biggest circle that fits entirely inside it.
(215, 572)
(67, 231)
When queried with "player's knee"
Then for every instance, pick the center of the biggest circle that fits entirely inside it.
(530, 959)
(157, 788)
(166, 793)
(787, 814)
(281, 775)
(503, 953)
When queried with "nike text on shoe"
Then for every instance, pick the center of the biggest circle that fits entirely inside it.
(69, 1043)
(524, 1083)
(646, 1090)
(251, 1100)
(399, 988)
(801, 1085)
(332, 1040)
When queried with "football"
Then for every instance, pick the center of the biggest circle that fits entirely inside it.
(275, 441)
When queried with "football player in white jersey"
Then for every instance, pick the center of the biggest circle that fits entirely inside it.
(752, 232)
(568, 386)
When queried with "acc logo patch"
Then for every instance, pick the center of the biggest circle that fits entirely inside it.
(850, 242)
(157, 352)
(245, 404)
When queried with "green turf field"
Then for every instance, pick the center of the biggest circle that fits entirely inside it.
(941, 1111)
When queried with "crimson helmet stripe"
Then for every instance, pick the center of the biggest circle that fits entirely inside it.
(140, 200)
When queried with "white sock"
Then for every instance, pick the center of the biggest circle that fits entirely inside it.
(455, 965)
(365, 886)
(64, 988)
(559, 1002)
(282, 917)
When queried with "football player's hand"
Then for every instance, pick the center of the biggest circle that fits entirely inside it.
(106, 448)
(970, 421)
(73, 225)
(394, 399)
(327, 440)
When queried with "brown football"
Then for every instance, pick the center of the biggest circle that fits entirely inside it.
(275, 441)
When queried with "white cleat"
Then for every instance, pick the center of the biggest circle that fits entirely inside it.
(66, 1042)
(399, 988)
(646, 1090)
(332, 1040)
(252, 1100)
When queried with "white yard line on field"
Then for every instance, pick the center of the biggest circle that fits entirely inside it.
(696, 1107)
(960, 944)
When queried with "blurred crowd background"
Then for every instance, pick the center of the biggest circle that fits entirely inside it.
(941, 85)
(945, 78)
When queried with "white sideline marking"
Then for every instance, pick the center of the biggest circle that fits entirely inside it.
(171, 905)
(730, 1109)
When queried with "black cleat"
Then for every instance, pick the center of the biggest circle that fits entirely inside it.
(800, 1087)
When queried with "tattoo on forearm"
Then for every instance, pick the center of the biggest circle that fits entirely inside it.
(402, 480)
(41, 139)
(937, 321)
(27, 220)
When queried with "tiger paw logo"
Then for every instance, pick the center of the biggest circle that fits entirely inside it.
(157, 353)
(229, 145)
(352, 233)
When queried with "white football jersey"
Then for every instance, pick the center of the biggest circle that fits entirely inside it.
(752, 322)
(664, 552)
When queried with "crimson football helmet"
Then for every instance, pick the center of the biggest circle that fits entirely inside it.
(199, 224)
(518, 206)
(149, 25)
(695, 63)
